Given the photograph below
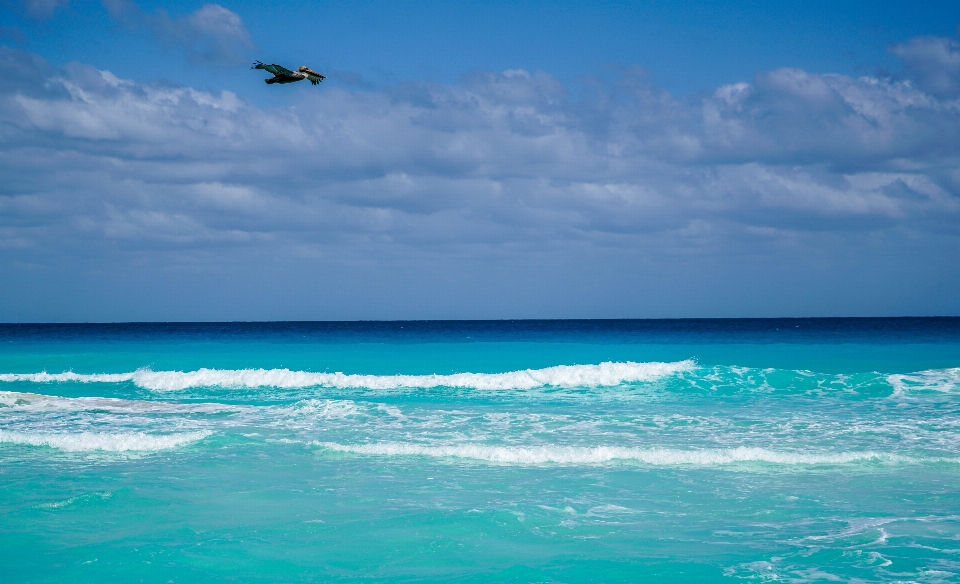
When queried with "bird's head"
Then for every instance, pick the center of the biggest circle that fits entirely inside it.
(303, 69)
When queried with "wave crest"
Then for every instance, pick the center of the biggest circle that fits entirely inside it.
(104, 441)
(942, 380)
(605, 374)
(572, 455)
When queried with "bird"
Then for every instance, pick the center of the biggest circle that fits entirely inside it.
(283, 75)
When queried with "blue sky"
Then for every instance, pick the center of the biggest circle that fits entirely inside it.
(684, 46)
(478, 160)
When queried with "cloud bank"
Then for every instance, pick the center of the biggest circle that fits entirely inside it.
(511, 175)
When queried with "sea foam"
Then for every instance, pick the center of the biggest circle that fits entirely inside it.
(601, 375)
(49, 403)
(574, 455)
(942, 380)
(104, 441)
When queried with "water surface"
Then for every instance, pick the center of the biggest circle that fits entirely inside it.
(516, 451)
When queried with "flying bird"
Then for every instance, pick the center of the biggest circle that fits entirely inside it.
(284, 75)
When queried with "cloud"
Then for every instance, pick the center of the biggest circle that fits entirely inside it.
(791, 171)
(934, 63)
(790, 116)
(42, 9)
(507, 152)
(212, 34)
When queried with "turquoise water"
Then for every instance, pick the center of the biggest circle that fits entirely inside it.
(542, 451)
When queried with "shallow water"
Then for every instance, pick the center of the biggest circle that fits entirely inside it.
(569, 451)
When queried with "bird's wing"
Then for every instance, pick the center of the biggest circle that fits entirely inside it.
(274, 68)
(278, 70)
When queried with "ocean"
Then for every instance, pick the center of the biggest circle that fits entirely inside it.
(759, 450)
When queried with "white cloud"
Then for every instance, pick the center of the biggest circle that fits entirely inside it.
(511, 148)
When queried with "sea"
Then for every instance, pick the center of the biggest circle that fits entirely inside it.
(755, 450)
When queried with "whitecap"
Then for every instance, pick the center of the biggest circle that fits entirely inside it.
(34, 401)
(103, 441)
(102, 495)
(605, 374)
(610, 509)
(573, 455)
(942, 380)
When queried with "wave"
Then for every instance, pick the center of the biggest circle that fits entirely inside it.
(104, 441)
(49, 403)
(101, 495)
(942, 380)
(605, 374)
(573, 455)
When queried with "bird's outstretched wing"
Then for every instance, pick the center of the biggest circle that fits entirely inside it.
(275, 69)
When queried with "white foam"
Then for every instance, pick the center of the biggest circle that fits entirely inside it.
(943, 380)
(602, 375)
(44, 377)
(34, 401)
(536, 455)
(67, 502)
(611, 510)
(105, 441)
(328, 409)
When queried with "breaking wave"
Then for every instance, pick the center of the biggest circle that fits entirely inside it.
(49, 403)
(942, 380)
(573, 455)
(566, 376)
(103, 441)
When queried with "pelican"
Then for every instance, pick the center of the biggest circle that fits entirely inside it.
(284, 75)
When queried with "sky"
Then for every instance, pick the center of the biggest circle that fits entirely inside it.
(478, 160)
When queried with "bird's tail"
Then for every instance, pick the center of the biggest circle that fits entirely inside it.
(258, 65)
